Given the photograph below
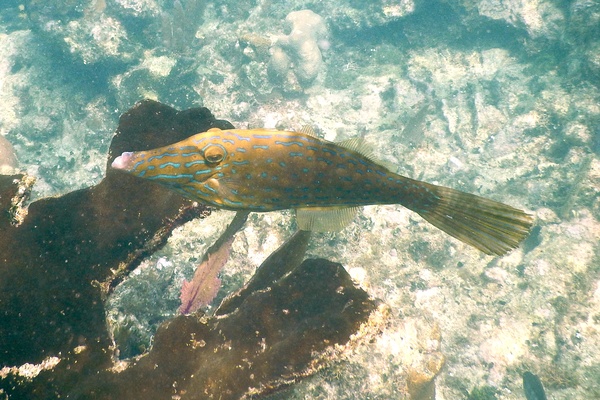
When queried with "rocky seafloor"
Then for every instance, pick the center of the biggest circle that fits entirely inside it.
(497, 99)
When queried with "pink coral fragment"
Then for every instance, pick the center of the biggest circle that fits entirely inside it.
(202, 289)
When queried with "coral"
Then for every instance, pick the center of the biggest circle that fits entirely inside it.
(483, 393)
(203, 288)
(514, 111)
(301, 49)
(280, 62)
(180, 23)
(96, 39)
(8, 159)
(271, 339)
(70, 251)
(541, 19)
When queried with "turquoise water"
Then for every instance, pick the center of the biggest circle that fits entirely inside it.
(499, 100)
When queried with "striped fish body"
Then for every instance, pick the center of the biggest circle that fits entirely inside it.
(267, 170)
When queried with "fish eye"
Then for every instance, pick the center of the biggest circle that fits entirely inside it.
(214, 154)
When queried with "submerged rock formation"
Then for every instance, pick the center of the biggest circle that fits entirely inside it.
(299, 52)
(59, 262)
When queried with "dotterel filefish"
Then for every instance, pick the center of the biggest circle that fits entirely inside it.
(266, 170)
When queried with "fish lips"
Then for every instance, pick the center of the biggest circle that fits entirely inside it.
(123, 161)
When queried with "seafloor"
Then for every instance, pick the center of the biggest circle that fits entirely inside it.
(500, 99)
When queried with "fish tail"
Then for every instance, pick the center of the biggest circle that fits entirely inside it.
(490, 226)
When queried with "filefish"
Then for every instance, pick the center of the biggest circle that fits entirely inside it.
(266, 170)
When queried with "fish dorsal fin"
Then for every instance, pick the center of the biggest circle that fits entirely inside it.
(308, 130)
(360, 146)
(325, 219)
(356, 144)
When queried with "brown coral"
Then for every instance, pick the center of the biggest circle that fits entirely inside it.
(58, 265)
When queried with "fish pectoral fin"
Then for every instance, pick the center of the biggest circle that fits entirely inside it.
(229, 193)
(325, 219)
(213, 185)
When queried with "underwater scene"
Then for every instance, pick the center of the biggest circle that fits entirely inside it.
(335, 199)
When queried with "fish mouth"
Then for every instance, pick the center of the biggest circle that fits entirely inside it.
(123, 161)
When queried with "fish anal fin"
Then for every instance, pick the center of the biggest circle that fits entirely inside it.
(325, 219)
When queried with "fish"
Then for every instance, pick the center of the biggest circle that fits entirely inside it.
(326, 183)
(532, 385)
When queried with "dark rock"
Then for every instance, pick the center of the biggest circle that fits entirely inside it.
(60, 261)
(274, 338)
(58, 265)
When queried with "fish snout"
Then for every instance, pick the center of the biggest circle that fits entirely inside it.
(123, 161)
